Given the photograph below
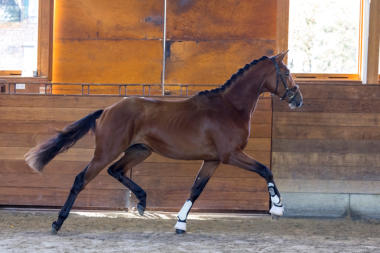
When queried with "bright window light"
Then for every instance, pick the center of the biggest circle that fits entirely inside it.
(19, 36)
(324, 36)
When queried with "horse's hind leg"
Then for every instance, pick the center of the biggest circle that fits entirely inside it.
(81, 180)
(133, 156)
(204, 174)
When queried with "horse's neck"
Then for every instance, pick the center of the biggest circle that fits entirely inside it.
(244, 93)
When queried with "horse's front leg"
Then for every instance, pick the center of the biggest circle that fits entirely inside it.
(242, 160)
(204, 174)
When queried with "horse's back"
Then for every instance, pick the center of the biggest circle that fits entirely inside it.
(184, 129)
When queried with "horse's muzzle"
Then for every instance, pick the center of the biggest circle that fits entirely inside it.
(296, 101)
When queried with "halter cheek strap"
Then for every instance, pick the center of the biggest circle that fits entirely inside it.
(287, 90)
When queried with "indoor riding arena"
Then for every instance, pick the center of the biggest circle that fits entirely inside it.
(122, 113)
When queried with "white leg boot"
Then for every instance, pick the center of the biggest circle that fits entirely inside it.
(277, 208)
(180, 226)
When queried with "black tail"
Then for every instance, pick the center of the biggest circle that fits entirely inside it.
(42, 154)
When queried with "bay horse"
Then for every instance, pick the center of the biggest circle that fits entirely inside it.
(213, 126)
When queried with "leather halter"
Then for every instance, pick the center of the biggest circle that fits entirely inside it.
(289, 93)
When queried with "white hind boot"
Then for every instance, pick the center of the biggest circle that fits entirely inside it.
(277, 208)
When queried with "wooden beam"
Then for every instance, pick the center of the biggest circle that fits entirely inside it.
(282, 27)
(45, 38)
(10, 72)
(373, 43)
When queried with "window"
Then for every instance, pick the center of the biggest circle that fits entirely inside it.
(325, 38)
(19, 36)
(25, 38)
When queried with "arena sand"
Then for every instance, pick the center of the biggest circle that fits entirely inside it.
(29, 231)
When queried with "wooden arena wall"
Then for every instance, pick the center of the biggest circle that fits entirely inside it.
(26, 120)
(329, 146)
(329, 149)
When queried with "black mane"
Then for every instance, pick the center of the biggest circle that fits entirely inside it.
(232, 78)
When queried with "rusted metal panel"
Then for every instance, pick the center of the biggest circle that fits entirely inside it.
(221, 20)
(107, 61)
(206, 62)
(116, 19)
(107, 42)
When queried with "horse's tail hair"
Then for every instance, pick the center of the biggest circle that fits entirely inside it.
(42, 154)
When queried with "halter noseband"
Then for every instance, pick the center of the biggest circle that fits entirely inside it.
(289, 93)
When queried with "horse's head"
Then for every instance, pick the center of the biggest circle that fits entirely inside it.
(281, 83)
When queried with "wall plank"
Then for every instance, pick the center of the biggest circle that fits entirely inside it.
(102, 199)
(328, 119)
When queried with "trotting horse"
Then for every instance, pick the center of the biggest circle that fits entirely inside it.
(212, 126)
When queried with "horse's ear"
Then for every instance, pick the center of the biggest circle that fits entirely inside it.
(281, 56)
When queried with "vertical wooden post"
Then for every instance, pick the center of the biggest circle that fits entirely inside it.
(45, 38)
(282, 32)
(373, 43)
(164, 52)
(282, 27)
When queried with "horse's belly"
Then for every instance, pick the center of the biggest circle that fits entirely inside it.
(182, 147)
(183, 154)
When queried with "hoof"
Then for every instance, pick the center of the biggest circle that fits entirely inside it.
(277, 210)
(275, 217)
(140, 209)
(180, 231)
(54, 228)
(180, 227)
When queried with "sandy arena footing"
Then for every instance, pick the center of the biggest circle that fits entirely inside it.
(87, 231)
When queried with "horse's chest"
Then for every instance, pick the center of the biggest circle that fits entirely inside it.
(243, 133)
(234, 136)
